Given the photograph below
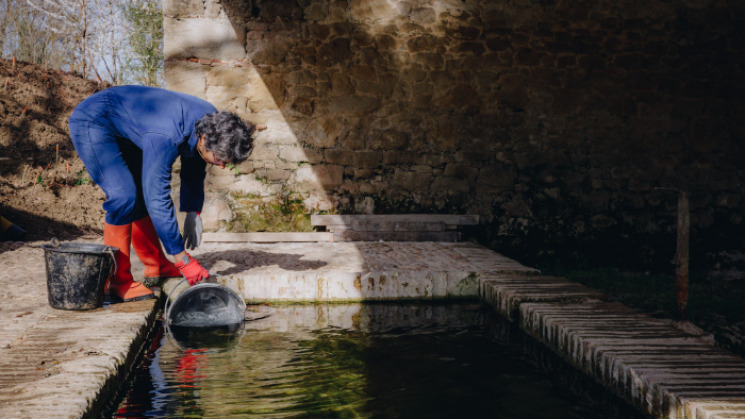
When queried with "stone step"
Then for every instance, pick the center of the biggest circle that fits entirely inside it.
(267, 237)
(369, 225)
(448, 219)
(394, 227)
(396, 236)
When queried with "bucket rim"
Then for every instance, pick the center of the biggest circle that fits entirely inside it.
(95, 248)
(192, 289)
(231, 293)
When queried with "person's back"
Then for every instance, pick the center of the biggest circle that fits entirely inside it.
(136, 112)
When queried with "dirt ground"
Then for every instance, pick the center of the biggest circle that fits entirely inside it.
(44, 188)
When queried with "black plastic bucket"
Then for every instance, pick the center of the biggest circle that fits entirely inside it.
(204, 305)
(77, 274)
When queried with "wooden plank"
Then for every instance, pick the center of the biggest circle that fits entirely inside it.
(265, 237)
(449, 219)
(396, 236)
(338, 227)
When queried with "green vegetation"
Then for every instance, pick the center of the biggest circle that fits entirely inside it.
(236, 170)
(285, 212)
(146, 41)
(81, 178)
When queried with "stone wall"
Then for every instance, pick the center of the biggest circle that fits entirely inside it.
(556, 121)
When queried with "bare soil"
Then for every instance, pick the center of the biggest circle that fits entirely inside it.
(44, 188)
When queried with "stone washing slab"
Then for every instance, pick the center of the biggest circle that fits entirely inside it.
(57, 363)
(72, 362)
(506, 292)
(656, 367)
(356, 271)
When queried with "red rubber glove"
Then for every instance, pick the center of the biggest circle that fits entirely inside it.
(192, 270)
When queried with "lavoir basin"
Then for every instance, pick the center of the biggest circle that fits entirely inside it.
(429, 360)
(57, 363)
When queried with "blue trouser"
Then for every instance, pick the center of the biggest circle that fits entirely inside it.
(115, 164)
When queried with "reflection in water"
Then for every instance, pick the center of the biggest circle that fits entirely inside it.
(372, 360)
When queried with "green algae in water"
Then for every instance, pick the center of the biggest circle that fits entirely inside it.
(365, 360)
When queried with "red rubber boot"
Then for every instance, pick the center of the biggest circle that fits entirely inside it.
(146, 243)
(121, 285)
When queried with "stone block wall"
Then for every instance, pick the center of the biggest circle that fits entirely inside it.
(557, 121)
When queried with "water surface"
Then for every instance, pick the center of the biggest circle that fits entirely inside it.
(371, 360)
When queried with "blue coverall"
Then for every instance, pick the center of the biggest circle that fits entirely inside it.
(128, 138)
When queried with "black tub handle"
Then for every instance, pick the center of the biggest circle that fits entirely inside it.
(167, 305)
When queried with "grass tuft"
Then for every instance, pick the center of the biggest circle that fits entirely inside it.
(284, 212)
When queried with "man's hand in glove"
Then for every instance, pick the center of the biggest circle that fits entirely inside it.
(192, 270)
(192, 230)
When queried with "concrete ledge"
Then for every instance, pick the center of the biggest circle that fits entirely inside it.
(356, 271)
(658, 368)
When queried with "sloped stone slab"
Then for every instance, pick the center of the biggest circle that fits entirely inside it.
(506, 292)
(58, 363)
(64, 368)
(660, 369)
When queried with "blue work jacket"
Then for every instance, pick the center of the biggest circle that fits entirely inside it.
(161, 123)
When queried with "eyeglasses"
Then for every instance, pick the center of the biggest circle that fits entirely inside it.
(215, 160)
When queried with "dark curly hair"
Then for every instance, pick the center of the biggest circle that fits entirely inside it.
(226, 135)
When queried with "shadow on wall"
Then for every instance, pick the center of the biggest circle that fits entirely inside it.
(554, 122)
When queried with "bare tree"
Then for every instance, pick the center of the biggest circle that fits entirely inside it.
(112, 40)
(66, 18)
(107, 38)
(94, 26)
(23, 34)
(4, 23)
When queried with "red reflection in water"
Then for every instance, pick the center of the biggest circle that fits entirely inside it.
(190, 366)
